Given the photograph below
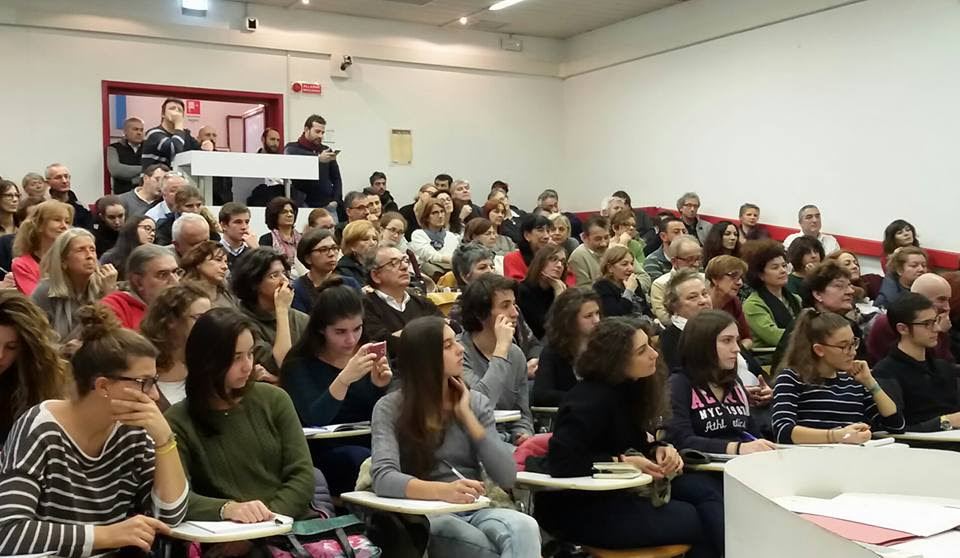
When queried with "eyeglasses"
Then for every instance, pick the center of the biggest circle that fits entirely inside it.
(146, 384)
(691, 260)
(167, 274)
(851, 348)
(735, 275)
(928, 324)
(397, 232)
(326, 250)
(394, 262)
(148, 228)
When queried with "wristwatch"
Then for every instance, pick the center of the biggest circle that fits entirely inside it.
(945, 423)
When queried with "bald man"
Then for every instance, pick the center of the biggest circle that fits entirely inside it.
(222, 185)
(883, 338)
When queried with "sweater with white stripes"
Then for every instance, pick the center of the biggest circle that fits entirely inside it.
(161, 146)
(835, 403)
(52, 494)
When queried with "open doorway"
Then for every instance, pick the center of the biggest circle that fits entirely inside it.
(239, 117)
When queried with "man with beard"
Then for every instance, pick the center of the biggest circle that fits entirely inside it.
(327, 190)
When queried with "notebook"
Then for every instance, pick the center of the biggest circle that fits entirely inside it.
(206, 528)
(615, 470)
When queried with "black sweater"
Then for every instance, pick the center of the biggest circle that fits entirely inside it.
(160, 146)
(555, 377)
(922, 390)
(594, 424)
(535, 301)
(701, 422)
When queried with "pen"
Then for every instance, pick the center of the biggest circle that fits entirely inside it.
(454, 470)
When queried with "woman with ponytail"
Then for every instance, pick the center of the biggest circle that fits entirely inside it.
(433, 439)
(822, 394)
(79, 474)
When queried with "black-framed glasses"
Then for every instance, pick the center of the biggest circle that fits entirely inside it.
(326, 249)
(146, 384)
(852, 347)
(929, 324)
(394, 262)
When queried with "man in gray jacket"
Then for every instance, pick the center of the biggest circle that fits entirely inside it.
(492, 363)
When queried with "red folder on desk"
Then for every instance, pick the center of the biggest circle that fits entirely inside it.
(859, 532)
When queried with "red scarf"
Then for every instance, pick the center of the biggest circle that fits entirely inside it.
(303, 142)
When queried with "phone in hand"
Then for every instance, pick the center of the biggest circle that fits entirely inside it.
(379, 349)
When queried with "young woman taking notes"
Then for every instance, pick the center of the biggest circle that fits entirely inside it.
(432, 439)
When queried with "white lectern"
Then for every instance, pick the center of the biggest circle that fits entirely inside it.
(758, 527)
(203, 166)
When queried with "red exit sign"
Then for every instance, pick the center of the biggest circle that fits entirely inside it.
(302, 87)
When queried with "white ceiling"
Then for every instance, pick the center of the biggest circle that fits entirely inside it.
(557, 19)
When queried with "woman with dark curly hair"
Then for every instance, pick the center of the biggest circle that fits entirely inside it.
(723, 239)
(609, 416)
(206, 264)
(167, 325)
(770, 308)
(281, 217)
(30, 369)
(572, 317)
(898, 234)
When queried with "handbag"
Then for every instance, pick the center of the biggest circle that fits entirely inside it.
(337, 537)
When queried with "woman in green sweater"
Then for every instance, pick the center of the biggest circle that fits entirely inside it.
(240, 441)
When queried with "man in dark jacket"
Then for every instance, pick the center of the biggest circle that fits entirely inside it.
(378, 185)
(123, 157)
(58, 179)
(327, 190)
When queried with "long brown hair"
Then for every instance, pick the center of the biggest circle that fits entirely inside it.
(811, 326)
(697, 349)
(422, 421)
(41, 373)
(609, 352)
(563, 332)
(161, 325)
(540, 260)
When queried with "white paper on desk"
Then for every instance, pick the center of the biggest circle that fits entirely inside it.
(42, 554)
(944, 545)
(351, 426)
(229, 527)
(889, 551)
(409, 504)
(503, 415)
(920, 519)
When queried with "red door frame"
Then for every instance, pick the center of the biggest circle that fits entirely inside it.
(272, 104)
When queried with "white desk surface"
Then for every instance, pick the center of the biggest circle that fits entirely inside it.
(327, 433)
(581, 483)
(946, 437)
(501, 417)
(545, 410)
(187, 531)
(712, 467)
(413, 507)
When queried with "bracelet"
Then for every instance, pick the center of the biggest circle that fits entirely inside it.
(166, 448)
(737, 449)
(874, 388)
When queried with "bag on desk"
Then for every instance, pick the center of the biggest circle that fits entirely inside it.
(339, 537)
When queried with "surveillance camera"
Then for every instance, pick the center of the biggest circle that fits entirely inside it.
(347, 62)
(251, 24)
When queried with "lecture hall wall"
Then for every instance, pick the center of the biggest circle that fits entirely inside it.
(849, 103)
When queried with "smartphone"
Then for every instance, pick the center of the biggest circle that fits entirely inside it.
(379, 349)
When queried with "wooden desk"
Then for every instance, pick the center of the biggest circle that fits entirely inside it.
(368, 499)
(194, 531)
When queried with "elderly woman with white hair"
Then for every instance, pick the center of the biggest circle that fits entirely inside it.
(72, 279)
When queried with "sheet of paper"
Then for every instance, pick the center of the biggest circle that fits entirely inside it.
(503, 415)
(858, 531)
(228, 527)
(412, 505)
(944, 545)
(922, 520)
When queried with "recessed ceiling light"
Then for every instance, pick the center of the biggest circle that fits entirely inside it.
(305, 2)
(504, 4)
(463, 21)
(199, 5)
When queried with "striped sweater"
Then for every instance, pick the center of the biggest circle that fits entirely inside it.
(160, 146)
(836, 403)
(52, 494)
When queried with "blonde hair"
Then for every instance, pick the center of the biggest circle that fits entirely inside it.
(613, 255)
(353, 233)
(51, 267)
(28, 239)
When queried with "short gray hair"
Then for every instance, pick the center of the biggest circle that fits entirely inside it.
(687, 196)
(674, 249)
(142, 255)
(46, 172)
(466, 256)
(352, 197)
(186, 219)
